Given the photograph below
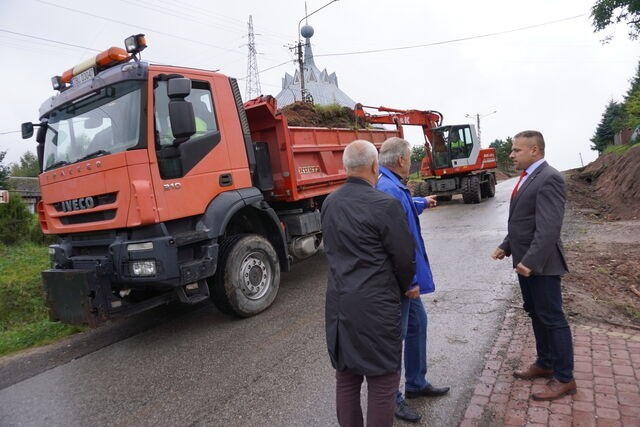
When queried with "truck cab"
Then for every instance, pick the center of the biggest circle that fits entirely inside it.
(145, 171)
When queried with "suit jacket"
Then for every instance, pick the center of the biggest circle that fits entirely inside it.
(535, 221)
(371, 264)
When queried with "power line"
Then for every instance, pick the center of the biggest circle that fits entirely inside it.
(97, 50)
(48, 40)
(200, 42)
(275, 66)
(454, 40)
(181, 13)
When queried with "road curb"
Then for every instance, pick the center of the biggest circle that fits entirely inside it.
(607, 371)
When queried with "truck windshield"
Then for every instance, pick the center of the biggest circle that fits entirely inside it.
(106, 122)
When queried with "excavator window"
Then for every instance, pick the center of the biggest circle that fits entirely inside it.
(460, 142)
(441, 158)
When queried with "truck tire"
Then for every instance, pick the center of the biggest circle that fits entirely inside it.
(420, 189)
(248, 275)
(491, 186)
(471, 190)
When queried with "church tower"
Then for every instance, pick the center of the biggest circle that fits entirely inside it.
(320, 85)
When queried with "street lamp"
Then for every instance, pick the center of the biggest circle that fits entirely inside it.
(479, 116)
(303, 92)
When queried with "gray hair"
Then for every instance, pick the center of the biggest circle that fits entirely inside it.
(392, 149)
(359, 154)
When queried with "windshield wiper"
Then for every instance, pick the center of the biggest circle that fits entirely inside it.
(57, 164)
(94, 154)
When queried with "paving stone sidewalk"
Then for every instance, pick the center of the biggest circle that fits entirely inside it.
(607, 372)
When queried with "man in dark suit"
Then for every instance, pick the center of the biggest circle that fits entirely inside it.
(371, 265)
(533, 240)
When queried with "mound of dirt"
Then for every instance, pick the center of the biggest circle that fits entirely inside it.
(330, 116)
(610, 184)
(601, 240)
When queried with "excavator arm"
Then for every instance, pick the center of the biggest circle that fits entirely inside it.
(428, 120)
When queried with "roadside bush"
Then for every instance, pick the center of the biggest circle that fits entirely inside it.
(15, 220)
(37, 236)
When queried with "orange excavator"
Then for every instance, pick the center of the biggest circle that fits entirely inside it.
(454, 162)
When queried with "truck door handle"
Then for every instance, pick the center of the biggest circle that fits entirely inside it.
(225, 180)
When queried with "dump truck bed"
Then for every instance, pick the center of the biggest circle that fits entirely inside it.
(305, 161)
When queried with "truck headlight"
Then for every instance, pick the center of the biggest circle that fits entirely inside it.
(136, 247)
(143, 268)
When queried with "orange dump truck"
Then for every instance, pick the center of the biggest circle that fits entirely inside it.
(161, 185)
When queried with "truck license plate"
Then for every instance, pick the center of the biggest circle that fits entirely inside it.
(83, 77)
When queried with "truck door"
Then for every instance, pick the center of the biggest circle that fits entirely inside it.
(194, 169)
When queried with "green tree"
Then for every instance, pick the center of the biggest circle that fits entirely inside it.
(631, 108)
(417, 153)
(607, 12)
(28, 165)
(4, 171)
(15, 220)
(503, 150)
(611, 123)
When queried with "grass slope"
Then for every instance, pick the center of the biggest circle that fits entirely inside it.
(24, 320)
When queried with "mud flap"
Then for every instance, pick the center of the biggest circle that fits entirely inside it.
(76, 297)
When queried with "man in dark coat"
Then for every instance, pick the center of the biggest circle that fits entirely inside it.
(533, 240)
(371, 265)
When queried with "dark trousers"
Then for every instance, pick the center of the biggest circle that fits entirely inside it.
(381, 392)
(543, 302)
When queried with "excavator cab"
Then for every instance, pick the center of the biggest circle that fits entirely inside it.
(451, 144)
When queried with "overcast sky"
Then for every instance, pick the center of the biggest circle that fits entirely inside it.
(538, 64)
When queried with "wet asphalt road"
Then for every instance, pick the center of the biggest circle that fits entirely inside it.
(199, 367)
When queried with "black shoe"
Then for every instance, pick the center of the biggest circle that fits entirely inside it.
(428, 391)
(407, 413)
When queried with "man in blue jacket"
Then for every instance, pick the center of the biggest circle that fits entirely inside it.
(395, 164)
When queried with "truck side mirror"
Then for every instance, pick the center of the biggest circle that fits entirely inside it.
(179, 87)
(181, 116)
(27, 130)
(42, 134)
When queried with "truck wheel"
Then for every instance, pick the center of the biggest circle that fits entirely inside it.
(471, 190)
(419, 189)
(248, 275)
(491, 186)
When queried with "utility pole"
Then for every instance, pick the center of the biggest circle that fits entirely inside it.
(478, 116)
(253, 78)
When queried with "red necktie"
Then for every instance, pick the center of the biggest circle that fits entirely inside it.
(515, 189)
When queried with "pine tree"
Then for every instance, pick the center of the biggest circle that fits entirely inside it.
(612, 121)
